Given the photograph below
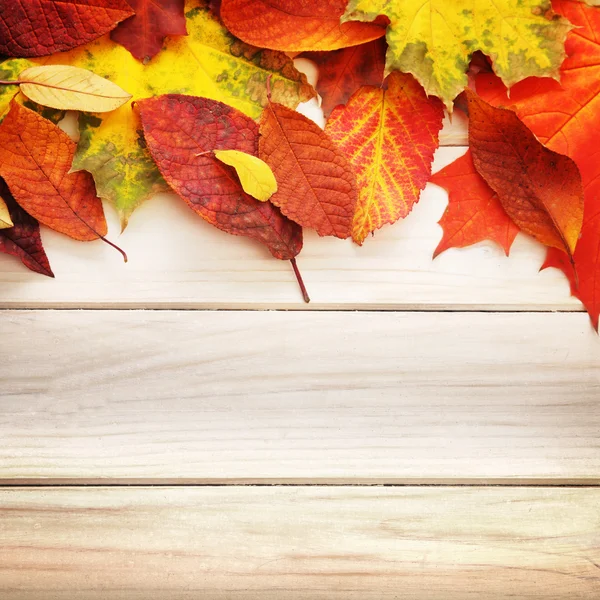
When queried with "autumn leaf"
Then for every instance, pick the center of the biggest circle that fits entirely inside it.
(474, 212)
(295, 25)
(255, 175)
(71, 88)
(390, 136)
(35, 158)
(434, 40)
(343, 71)
(540, 190)
(182, 132)
(23, 239)
(144, 33)
(316, 184)
(42, 27)
(208, 62)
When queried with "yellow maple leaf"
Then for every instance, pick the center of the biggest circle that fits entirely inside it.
(208, 62)
(434, 39)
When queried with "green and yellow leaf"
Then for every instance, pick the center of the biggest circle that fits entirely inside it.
(255, 175)
(434, 39)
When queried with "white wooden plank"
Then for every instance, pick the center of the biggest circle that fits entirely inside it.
(299, 396)
(176, 260)
(299, 543)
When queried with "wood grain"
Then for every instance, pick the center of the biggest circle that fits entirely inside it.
(176, 260)
(302, 396)
(299, 543)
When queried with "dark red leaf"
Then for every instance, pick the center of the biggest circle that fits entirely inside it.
(23, 240)
(41, 27)
(143, 34)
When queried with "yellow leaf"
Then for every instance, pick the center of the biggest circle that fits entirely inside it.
(255, 175)
(208, 62)
(5, 220)
(71, 88)
(434, 39)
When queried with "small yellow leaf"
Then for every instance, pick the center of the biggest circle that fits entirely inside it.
(71, 88)
(5, 220)
(255, 175)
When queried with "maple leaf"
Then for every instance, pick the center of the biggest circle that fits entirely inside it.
(540, 190)
(144, 33)
(182, 132)
(434, 39)
(35, 158)
(208, 62)
(316, 184)
(295, 25)
(474, 212)
(343, 71)
(23, 239)
(42, 27)
(390, 136)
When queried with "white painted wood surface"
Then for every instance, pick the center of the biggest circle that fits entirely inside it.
(301, 396)
(298, 543)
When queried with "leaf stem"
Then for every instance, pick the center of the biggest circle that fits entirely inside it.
(300, 281)
(114, 246)
(7, 82)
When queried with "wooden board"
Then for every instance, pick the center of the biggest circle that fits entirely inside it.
(299, 396)
(297, 543)
(176, 260)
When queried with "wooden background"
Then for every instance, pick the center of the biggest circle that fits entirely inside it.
(183, 426)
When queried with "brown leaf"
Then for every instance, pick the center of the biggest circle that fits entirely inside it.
(539, 189)
(35, 158)
(316, 183)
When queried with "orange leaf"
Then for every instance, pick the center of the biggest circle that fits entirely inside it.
(390, 136)
(35, 158)
(473, 213)
(316, 184)
(566, 118)
(182, 132)
(539, 189)
(343, 71)
(295, 25)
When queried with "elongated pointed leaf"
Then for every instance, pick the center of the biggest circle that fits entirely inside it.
(35, 158)
(540, 190)
(316, 183)
(182, 132)
(71, 88)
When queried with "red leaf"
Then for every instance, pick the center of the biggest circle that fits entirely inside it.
(143, 34)
(540, 190)
(342, 72)
(23, 240)
(177, 128)
(316, 184)
(41, 27)
(295, 25)
(35, 158)
(473, 213)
